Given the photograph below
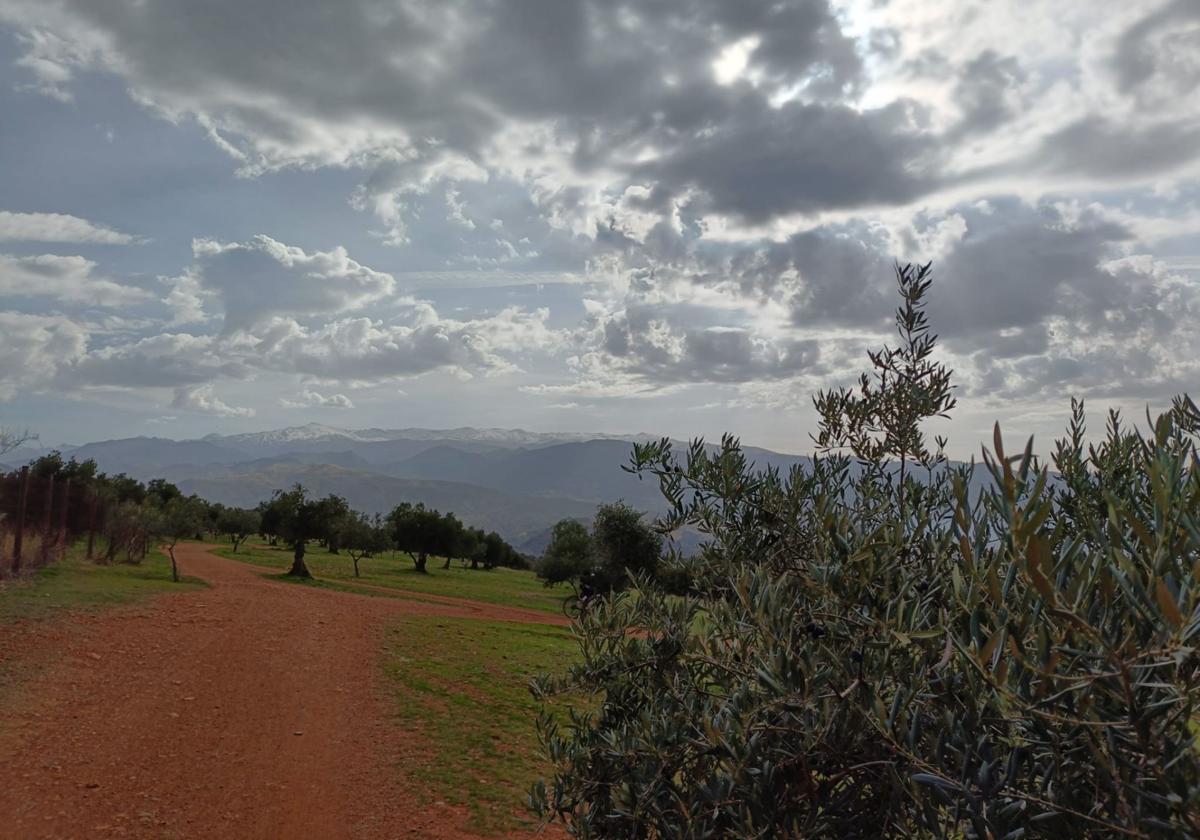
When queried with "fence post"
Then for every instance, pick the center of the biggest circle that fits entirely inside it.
(46, 521)
(62, 520)
(91, 497)
(19, 536)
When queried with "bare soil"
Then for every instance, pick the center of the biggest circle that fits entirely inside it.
(254, 709)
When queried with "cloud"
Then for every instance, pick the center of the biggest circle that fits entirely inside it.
(369, 351)
(578, 102)
(727, 184)
(646, 343)
(413, 340)
(761, 162)
(57, 227)
(1099, 147)
(1158, 58)
(34, 348)
(185, 299)
(262, 278)
(202, 400)
(1037, 300)
(309, 398)
(988, 92)
(67, 279)
(157, 361)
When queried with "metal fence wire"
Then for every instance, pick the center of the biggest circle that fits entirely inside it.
(40, 517)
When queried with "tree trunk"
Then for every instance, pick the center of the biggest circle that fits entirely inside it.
(355, 559)
(446, 565)
(298, 568)
(419, 561)
(91, 525)
(174, 565)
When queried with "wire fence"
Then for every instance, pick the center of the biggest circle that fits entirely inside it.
(40, 517)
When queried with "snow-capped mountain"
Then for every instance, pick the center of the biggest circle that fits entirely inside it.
(320, 433)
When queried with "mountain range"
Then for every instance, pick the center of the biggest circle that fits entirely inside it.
(516, 482)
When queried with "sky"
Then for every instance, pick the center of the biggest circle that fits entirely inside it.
(678, 217)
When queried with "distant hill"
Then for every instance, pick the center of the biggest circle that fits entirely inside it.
(590, 470)
(148, 457)
(318, 437)
(514, 516)
(516, 482)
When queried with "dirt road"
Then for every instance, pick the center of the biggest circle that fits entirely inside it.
(253, 709)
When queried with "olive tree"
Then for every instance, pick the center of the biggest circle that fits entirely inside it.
(868, 652)
(421, 532)
(238, 524)
(297, 520)
(361, 537)
(177, 519)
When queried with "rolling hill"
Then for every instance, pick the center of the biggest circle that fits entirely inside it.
(515, 482)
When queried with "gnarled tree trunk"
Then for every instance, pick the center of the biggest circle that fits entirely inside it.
(298, 568)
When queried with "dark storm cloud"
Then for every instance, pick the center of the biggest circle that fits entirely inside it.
(447, 73)
(763, 162)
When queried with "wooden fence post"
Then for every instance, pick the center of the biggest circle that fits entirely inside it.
(62, 519)
(19, 536)
(46, 521)
(91, 496)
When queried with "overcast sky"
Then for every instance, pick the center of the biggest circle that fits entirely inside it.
(669, 216)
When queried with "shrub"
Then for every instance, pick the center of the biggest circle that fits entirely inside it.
(876, 650)
(568, 556)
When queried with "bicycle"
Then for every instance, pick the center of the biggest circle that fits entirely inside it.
(575, 605)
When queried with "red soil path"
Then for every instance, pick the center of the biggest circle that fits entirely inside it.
(254, 709)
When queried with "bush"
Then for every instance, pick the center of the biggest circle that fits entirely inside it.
(674, 577)
(568, 556)
(867, 654)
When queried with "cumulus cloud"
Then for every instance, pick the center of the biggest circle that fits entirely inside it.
(157, 361)
(639, 341)
(68, 279)
(57, 227)
(34, 348)
(202, 400)
(364, 350)
(263, 277)
(309, 398)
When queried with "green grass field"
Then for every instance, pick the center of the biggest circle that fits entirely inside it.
(75, 583)
(462, 687)
(508, 587)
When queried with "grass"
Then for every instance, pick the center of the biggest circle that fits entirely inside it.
(76, 583)
(462, 686)
(507, 587)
